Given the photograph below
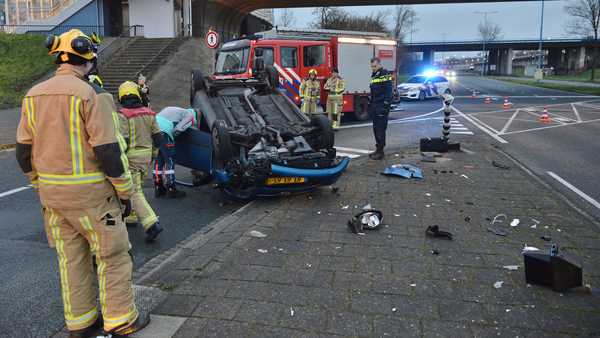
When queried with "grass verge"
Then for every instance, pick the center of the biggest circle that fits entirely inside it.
(23, 60)
(564, 87)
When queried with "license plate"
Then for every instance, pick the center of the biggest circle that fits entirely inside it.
(285, 180)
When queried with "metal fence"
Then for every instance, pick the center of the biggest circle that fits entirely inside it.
(108, 50)
(113, 31)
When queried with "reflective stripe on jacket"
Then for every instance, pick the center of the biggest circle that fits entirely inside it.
(310, 89)
(381, 86)
(68, 143)
(337, 84)
(138, 125)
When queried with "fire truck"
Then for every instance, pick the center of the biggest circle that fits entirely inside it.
(296, 51)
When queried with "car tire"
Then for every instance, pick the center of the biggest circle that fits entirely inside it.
(197, 83)
(327, 138)
(422, 96)
(221, 142)
(273, 76)
(361, 110)
(448, 91)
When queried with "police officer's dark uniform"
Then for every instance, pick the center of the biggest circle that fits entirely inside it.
(381, 96)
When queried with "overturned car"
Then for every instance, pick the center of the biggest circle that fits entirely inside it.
(254, 140)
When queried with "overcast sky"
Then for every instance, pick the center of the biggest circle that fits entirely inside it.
(518, 20)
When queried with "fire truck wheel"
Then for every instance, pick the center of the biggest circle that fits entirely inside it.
(361, 110)
(197, 83)
(273, 76)
(327, 138)
(221, 141)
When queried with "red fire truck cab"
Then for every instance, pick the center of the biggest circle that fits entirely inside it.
(295, 53)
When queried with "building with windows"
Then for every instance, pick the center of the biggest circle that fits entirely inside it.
(112, 17)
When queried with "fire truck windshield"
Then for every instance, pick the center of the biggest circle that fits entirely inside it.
(232, 61)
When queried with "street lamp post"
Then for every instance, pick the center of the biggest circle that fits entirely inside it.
(443, 52)
(541, 30)
(484, 37)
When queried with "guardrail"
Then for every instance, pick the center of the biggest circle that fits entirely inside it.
(545, 40)
(186, 31)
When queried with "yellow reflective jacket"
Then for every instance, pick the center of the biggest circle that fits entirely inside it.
(310, 89)
(139, 128)
(336, 85)
(68, 143)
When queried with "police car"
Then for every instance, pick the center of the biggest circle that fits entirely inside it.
(424, 86)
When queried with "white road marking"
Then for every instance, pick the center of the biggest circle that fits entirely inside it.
(509, 122)
(403, 120)
(577, 191)
(346, 154)
(480, 126)
(576, 112)
(10, 192)
(352, 150)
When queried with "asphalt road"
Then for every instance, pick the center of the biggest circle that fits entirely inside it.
(30, 303)
(562, 152)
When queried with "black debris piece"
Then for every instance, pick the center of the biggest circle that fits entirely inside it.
(497, 231)
(436, 232)
(334, 190)
(467, 218)
(469, 203)
(435, 251)
(369, 219)
(500, 166)
(428, 159)
(547, 238)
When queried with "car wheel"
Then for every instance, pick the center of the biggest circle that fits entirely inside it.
(197, 83)
(327, 138)
(448, 91)
(361, 110)
(221, 141)
(422, 96)
(273, 76)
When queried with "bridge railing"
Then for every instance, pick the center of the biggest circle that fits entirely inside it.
(113, 31)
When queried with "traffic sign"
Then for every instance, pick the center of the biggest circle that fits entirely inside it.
(212, 39)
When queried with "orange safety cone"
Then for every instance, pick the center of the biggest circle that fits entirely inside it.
(473, 97)
(545, 116)
(505, 103)
(488, 99)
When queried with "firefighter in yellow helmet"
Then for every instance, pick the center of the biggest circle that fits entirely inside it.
(335, 85)
(137, 125)
(69, 145)
(92, 75)
(310, 92)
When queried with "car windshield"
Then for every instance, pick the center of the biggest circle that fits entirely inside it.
(417, 79)
(232, 62)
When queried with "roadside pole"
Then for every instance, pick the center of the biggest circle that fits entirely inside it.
(212, 41)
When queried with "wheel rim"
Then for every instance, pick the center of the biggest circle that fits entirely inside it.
(422, 96)
(447, 91)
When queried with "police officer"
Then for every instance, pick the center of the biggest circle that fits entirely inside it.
(310, 92)
(335, 85)
(381, 96)
(69, 146)
(137, 124)
(144, 91)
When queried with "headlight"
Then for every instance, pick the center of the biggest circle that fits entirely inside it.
(413, 90)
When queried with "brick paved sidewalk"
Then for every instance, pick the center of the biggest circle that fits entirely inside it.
(317, 279)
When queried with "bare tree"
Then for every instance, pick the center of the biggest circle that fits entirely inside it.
(404, 19)
(287, 18)
(586, 17)
(489, 31)
(340, 19)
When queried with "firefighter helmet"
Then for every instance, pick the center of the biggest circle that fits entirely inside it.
(71, 42)
(312, 71)
(128, 88)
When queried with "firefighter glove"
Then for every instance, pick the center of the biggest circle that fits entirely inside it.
(126, 205)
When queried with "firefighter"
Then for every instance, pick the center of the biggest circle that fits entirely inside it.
(144, 91)
(335, 85)
(137, 124)
(310, 92)
(69, 145)
(172, 122)
(381, 96)
(92, 75)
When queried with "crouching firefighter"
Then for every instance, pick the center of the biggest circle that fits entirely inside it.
(172, 121)
(69, 145)
(138, 126)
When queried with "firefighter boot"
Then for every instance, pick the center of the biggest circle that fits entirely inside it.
(152, 232)
(173, 192)
(142, 320)
(159, 188)
(377, 154)
(336, 126)
(84, 333)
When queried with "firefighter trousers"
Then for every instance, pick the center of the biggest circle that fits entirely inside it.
(309, 107)
(334, 109)
(72, 232)
(140, 208)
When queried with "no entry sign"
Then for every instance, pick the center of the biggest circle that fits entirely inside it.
(212, 39)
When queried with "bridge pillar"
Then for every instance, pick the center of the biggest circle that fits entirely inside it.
(492, 60)
(555, 60)
(578, 59)
(505, 62)
(428, 58)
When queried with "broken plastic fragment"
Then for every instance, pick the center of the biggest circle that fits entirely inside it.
(498, 285)
(547, 238)
(345, 207)
(507, 310)
(413, 285)
(511, 267)
(396, 215)
(530, 248)
(534, 226)
(447, 200)
(497, 231)
(262, 250)
(558, 230)
(367, 207)
(545, 227)
(537, 222)
(465, 176)
(292, 312)
(427, 205)
(318, 212)
(255, 233)
(394, 309)
(499, 215)
(427, 194)
(514, 223)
